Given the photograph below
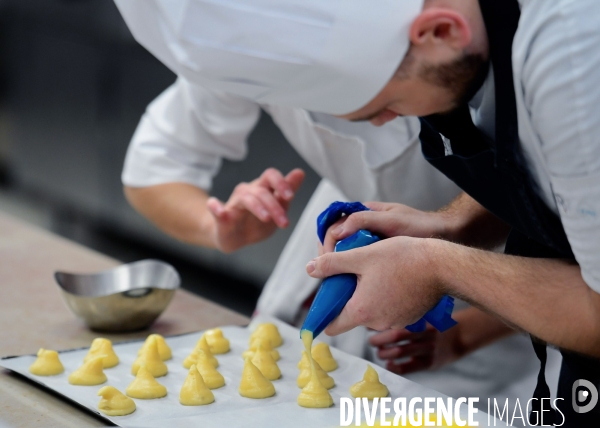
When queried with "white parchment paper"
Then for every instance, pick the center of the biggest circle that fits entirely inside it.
(229, 409)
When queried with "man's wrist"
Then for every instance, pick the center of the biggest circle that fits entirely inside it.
(205, 234)
(453, 226)
(438, 256)
(466, 222)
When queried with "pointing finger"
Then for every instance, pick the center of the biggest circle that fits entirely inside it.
(273, 206)
(274, 180)
(253, 204)
(295, 178)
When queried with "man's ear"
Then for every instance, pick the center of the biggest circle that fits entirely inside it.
(438, 27)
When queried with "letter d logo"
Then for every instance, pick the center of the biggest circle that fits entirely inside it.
(584, 391)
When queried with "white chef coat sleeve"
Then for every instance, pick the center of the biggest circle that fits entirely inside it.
(184, 135)
(563, 98)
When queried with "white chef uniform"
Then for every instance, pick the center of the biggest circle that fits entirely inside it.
(186, 132)
(335, 56)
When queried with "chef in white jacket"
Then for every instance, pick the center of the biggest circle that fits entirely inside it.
(177, 149)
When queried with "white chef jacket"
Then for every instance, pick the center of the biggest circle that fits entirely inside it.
(186, 132)
(556, 67)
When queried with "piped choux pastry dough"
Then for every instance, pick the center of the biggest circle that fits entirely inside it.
(151, 359)
(322, 355)
(163, 349)
(254, 384)
(114, 402)
(90, 373)
(191, 359)
(306, 372)
(217, 343)
(144, 386)
(203, 345)
(101, 346)
(314, 394)
(370, 387)
(194, 391)
(212, 378)
(266, 345)
(268, 331)
(263, 360)
(47, 363)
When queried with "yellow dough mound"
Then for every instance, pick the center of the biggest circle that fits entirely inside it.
(267, 331)
(101, 346)
(266, 345)
(254, 384)
(322, 355)
(163, 349)
(47, 363)
(217, 343)
(145, 386)
(151, 359)
(193, 357)
(306, 373)
(314, 394)
(90, 373)
(212, 378)
(370, 387)
(114, 402)
(263, 360)
(194, 391)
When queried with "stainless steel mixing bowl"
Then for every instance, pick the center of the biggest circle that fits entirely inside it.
(126, 298)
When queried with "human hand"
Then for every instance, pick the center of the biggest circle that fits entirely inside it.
(397, 282)
(388, 220)
(254, 210)
(427, 350)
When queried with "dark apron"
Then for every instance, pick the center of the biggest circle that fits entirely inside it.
(495, 174)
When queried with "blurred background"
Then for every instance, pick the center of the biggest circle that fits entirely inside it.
(73, 86)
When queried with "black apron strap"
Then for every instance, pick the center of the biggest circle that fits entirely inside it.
(496, 175)
(542, 391)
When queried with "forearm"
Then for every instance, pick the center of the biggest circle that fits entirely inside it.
(545, 297)
(471, 224)
(477, 329)
(178, 209)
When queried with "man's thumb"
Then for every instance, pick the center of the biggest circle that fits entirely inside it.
(332, 264)
(216, 207)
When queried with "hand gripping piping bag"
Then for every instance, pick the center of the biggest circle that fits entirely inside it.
(336, 290)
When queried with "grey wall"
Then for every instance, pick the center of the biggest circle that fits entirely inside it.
(75, 84)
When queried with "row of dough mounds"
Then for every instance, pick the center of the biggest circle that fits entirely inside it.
(149, 365)
(260, 369)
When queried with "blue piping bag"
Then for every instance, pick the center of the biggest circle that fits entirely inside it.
(336, 290)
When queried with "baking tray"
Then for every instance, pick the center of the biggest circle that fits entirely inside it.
(229, 409)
